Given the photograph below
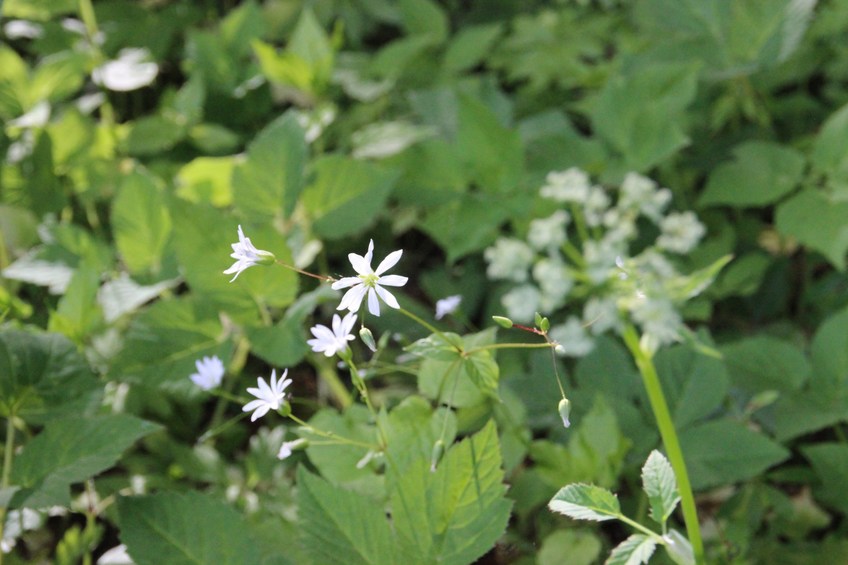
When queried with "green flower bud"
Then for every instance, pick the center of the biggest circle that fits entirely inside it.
(265, 258)
(436, 456)
(564, 410)
(501, 321)
(367, 338)
(285, 409)
(542, 323)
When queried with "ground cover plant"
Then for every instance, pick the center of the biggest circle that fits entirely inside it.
(410, 281)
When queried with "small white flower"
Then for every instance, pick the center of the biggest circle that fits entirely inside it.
(130, 71)
(267, 397)
(597, 202)
(641, 194)
(572, 338)
(447, 305)
(681, 232)
(288, 447)
(508, 259)
(548, 232)
(600, 259)
(368, 282)
(659, 320)
(35, 118)
(210, 371)
(246, 256)
(522, 302)
(330, 341)
(566, 186)
(116, 556)
(600, 315)
(22, 29)
(555, 282)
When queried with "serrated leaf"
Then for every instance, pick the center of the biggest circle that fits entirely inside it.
(636, 549)
(44, 377)
(455, 514)
(141, 223)
(268, 184)
(70, 451)
(762, 362)
(384, 139)
(347, 195)
(660, 485)
(586, 502)
(830, 462)
(184, 529)
(207, 179)
(123, 295)
(342, 527)
(78, 315)
(817, 222)
(760, 173)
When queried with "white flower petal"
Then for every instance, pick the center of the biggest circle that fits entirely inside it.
(389, 262)
(352, 299)
(360, 264)
(392, 280)
(373, 303)
(345, 282)
(387, 297)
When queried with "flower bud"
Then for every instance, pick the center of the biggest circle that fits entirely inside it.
(503, 322)
(265, 257)
(367, 338)
(285, 409)
(542, 322)
(564, 410)
(436, 456)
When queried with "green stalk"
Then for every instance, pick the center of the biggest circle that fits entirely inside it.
(669, 438)
(8, 453)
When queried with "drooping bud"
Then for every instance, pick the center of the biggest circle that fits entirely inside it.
(503, 322)
(436, 456)
(265, 257)
(542, 322)
(367, 338)
(564, 411)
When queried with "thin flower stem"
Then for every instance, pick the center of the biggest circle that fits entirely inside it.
(322, 278)
(669, 436)
(363, 391)
(212, 432)
(8, 454)
(427, 325)
(328, 374)
(330, 435)
(507, 346)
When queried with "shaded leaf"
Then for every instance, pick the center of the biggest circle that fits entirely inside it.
(586, 502)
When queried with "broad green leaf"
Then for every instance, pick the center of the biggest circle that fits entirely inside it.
(762, 362)
(70, 451)
(413, 430)
(580, 547)
(38, 10)
(268, 184)
(385, 139)
(43, 376)
(450, 375)
(347, 195)
(760, 173)
(203, 237)
(830, 149)
(830, 349)
(492, 153)
(342, 527)
(309, 42)
(141, 223)
(207, 179)
(338, 462)
(830, 462)
(184, 529)
(241, 25)
(78, 314)
(123, 295)
(723, 452)
(154, 134)
(817, 222)
(424, 17)
(455, 514)
(586, 502)
(638, 115)
(163, 343)
(660, 485)
(283, 344)
(470, 46)
(636, 549)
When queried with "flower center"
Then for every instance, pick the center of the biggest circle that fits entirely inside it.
(369, 280)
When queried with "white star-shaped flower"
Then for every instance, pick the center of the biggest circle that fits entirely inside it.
(330, 341)
(369, 281)
(210, 371)
(246, 256)
(267, 397)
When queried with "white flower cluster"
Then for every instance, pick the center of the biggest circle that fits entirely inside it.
(593, 261)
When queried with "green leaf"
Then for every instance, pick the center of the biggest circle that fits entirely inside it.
(723, 452)
(78, 314)
(763, 363)
(163, 343)
(636, 549)
(424, 17)
(141, 223)
(470, 46)
(817, 222)
(639, 115)
(385, 139)
(830, 150)
(44, 377)
(347, 195)
(309, 42)
(830, 462)
(586, 502)
(581, 546)
(184, 529)
(207, 179)
(661, 486)
(342, 527)
(70, 451)
(455, 514)
(268, 184)
(449, 375)
(154, 134)
(413, 430)
(760, 173)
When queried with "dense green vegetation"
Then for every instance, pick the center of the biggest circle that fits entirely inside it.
(518, 153)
